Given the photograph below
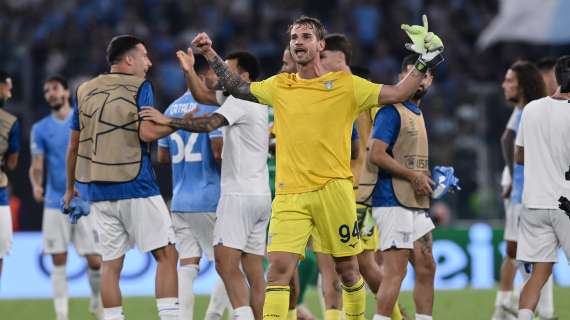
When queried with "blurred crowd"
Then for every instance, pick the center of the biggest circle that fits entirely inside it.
(465, 110)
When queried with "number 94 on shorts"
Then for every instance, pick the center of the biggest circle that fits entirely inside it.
(328, 214)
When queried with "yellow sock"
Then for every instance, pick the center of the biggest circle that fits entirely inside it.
(292, 315)
(396, 313)
(276, 306)
(354, 300)
(332, 314)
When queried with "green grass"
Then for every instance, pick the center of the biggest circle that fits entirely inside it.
(456, 304)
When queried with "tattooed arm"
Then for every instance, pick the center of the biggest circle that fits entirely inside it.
(202, 124)
(193, 124)
(232, 82)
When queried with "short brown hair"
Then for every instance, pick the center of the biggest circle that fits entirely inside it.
(339, 42)
(119, 45)
(312, 23)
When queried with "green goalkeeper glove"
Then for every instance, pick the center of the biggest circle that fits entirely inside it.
(427, 44)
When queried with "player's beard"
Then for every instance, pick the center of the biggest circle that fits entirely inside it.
(56, 106)
(2, 102)
(420, 93)
(514, 100)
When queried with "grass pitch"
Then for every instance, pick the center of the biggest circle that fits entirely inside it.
(453, 304)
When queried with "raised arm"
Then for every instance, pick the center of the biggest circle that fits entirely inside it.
(232, 82)
(199, 90)
(188, 123)
(430, 48)
(402, 91)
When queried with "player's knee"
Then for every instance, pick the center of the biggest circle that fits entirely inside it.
(280, 272)
(222, 267)
(395, 273)
(166, 255)
(512, 249)
(111, 269)
(348, 271)
(59, 259)
(93, 261)
(425, 270)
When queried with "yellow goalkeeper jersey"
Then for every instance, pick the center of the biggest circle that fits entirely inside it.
(315, 119)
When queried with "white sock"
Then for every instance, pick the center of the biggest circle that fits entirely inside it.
(219, 301)
(525, 314)
(502, 298)
(545, 307)
(423, 317)
(167, 308)
(95, 284)
(243, 313)
(115, 313)
(186, 275)
(59, 283)
(95, 281)
(380, 317)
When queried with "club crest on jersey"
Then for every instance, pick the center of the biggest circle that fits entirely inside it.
(328, 84)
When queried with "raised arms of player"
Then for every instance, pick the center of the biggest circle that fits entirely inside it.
(421, 183)
(403, 90)
(232, 82)
(430, 48)
(36, 174)
(188, 122)
(199, 90)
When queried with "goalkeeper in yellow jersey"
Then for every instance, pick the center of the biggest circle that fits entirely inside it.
(315, 111)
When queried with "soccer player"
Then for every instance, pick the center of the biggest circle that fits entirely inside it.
(400, 199)
(195, 159)
(245, 202)
(9, 151)
(315, 111)
(109, 157)
(336, 57)
(523, 83)
(546, 67)
(49, 140)
(543, 147)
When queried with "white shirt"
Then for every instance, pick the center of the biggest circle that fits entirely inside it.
(246, 144)
(544, 133)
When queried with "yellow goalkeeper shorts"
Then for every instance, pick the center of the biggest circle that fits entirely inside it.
(328, 213)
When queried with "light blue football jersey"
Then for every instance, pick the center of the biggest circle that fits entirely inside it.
(50, 137)
(195, 173)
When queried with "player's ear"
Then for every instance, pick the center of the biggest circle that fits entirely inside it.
(129, 59)
(321, 45)
(245, 76)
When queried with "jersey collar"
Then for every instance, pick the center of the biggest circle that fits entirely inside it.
(412, 107)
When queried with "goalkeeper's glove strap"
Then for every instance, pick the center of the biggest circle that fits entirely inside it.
(423, 66)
